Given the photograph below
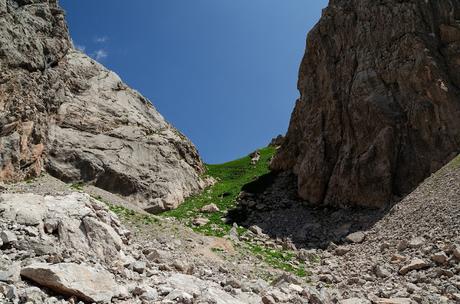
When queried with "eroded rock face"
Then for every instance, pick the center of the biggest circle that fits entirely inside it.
(62, 112)
(380, 101)
(108, 134)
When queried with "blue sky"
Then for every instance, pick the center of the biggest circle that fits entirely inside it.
(224, 72)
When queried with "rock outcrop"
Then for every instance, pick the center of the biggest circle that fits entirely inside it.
(380, 101)
(86, 283)
(62, 112)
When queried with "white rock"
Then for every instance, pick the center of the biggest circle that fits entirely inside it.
(65, 216)
(211, 208)
(179, 296)
(200, 221)
(11, 275)
(139, 266)
(256, 230)
(356, 237)
(296, 288)
(193, 285)
(8, 237)
(84, 282)
(417, 242)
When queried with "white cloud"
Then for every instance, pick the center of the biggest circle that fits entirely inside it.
(101, 39)
(100, 54)
(81, 48)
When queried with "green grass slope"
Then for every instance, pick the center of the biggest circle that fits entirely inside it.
(230, 177)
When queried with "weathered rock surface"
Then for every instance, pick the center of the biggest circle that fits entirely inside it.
(86, 283)
(62, 112)
(80, 223)
(380, 105)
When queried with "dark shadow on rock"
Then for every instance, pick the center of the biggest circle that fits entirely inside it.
(271, 203)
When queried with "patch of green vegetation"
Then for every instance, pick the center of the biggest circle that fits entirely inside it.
(280, 259)
(128, 214)
(230, 177)
(316, 259)
(455, 163)
(133, 216)
(77, 186)
(217, 250)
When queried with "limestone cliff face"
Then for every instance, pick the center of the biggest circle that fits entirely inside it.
(62, 112)
(380, 101)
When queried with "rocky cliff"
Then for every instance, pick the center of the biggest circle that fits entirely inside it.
(380, 101)
(62, 112)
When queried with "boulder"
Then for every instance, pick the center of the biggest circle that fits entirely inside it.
(379, 105)
(256, 230)
(84, 282)
(8, 237)
(11, 274)
(211, 208)
(356, 237)
(191, 285)
(74, 222)
(200, 221)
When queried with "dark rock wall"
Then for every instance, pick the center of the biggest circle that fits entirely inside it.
(380, 101)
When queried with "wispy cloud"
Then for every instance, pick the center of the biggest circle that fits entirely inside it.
(81, 48)
(101, 39)
(100, 54)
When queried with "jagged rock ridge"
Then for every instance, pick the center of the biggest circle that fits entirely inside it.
(64, 113)
(380, 101)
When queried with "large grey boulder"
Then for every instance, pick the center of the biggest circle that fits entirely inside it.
(380, 101)
(63, 112)
(84, 282)
(74, 223)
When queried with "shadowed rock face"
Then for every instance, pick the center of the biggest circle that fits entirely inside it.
(62, 112)
(380, 101)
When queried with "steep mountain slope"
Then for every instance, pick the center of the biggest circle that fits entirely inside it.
(423, 231)
(64, 113)
(380, 101)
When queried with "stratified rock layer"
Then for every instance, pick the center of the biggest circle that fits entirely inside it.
(62, 112)
(380, 101)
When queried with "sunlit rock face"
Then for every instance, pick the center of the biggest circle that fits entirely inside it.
(62, 112)
(380, 101)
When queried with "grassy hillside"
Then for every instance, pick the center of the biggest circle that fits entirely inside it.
(230, 177)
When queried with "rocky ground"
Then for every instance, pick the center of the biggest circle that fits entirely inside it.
(409, 251)
(62, 245)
